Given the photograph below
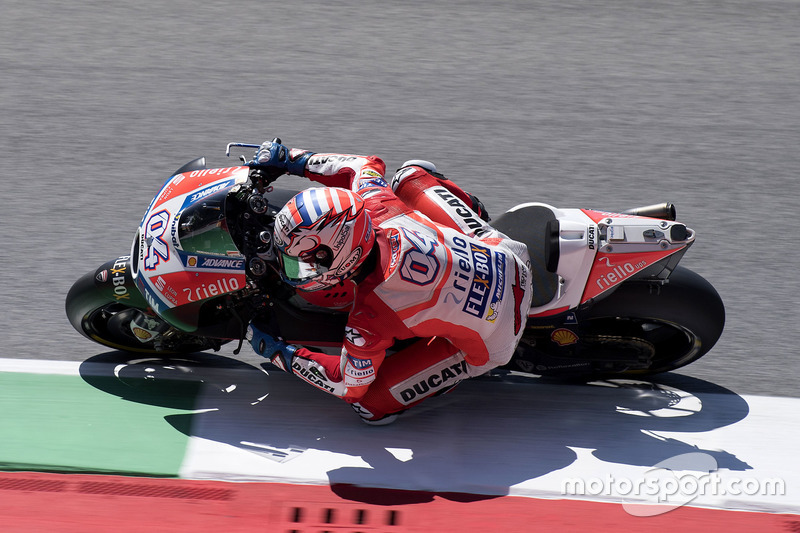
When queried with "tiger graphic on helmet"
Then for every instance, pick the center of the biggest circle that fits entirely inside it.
(323, 235)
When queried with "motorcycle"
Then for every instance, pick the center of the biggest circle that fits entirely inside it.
(610, 298)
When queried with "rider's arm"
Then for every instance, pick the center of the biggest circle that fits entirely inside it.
(360, 173)
(333, 170)
(347, 171)
(347, 375)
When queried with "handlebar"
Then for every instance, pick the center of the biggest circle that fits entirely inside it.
(248, 145)
(259, 173)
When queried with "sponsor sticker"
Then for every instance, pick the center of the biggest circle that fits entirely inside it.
(307, 371)
(208, 191)
(118, 270)
(564, 337)
(480, 289)
(354, 337)
(358, 371)
(233, 263)
(430, 381)
(499, 288)
(142, 334)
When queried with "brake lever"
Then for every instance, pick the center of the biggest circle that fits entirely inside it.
(263, 177)
(240, 145)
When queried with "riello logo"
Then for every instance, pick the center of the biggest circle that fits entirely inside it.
(214, 288)
(618, 273)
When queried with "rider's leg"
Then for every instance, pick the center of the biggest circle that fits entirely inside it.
(425, 190)
(424, 369)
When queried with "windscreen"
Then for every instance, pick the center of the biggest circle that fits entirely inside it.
(202, 228)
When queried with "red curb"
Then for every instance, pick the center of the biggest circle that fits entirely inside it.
(79, 503)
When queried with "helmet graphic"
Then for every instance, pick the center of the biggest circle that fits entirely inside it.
(323, 234)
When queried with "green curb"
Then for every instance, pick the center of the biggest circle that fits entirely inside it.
(61, 423)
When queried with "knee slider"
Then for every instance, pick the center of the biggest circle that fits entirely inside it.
(427, 165)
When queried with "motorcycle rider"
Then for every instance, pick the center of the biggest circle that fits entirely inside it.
(423, 264)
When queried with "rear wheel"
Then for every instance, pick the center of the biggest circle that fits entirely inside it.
(676, 323)
(642, 328)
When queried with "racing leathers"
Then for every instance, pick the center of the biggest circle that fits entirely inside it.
(440, 274)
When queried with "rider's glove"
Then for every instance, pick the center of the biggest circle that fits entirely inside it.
(479, 208)
(278, 352)
(273, 154)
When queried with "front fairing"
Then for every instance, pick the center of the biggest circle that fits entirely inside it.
(182, 255)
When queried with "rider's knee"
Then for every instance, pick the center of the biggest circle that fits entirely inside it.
(414, 169)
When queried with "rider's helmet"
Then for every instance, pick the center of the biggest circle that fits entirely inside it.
(323, 235)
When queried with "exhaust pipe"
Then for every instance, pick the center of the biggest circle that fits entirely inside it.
(665, 211)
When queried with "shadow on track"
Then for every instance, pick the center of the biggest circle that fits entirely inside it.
(488, 434)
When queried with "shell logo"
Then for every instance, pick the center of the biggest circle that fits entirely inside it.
(142, 334)
(564, 337)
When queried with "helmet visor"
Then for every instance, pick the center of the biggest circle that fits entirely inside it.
(298, 271)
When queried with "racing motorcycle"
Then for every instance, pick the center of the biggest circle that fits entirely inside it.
(610, 298)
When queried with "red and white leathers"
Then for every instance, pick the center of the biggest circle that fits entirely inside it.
(442, 275)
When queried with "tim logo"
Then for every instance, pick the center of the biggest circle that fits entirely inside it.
(360, 364)
(419, 264)
(157, 248)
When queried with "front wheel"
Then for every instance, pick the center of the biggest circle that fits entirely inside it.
(642, 328)
(94, 312)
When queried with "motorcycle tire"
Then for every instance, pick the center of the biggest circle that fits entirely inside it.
(99, 317)
(679, 322)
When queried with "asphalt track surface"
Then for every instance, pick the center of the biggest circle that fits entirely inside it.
(609, 105)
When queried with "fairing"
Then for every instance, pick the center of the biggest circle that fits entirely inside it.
(596, 251)
(183, 254)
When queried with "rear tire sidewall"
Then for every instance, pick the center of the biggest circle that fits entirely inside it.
(687, 301)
